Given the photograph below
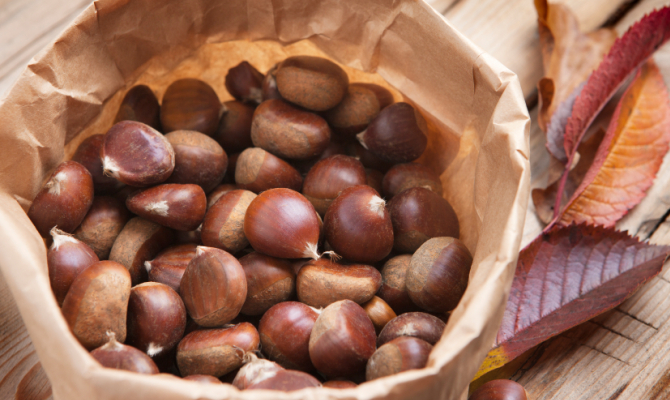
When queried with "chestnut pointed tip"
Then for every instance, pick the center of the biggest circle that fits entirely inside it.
(361, 139)
(147, 266)
(54, 185)
(60, 237)
(159, 208)
(110, 168)
(377, 206)
(311, 251)
(154, 349)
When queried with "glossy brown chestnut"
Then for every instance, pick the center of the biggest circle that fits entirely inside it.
(404, 176)
(190, 104)
(223, 226)
(234, 131)
(136, 154)
(379, 312)
(282, 223)
(284, 331)
(358, 108)
(400, 354)
(419, 214)
(342, 340)
(88, 155)
(500, 389)
(312, 82)
(244, 83)
(358, 226)
(97, 303)
(254, 371)
(168, 267)
(102, 224)
(269, 88)
(67, 257)
(199, 159)
(257, 170)
(139, 241)
(156, 318)
(339, 384)
(270, 281)
(329, 177)
(213, 287)
(203, 379)
(438, 274)
(384, 96)
(373, 178)
(398, 134)
(393, 290)
(140, 104)
(119, 356)
(180, 207)
(219, 191)
(216, 352)
(64, 199)
(289, 132)
(416, 324)
(322, 282)
(287, 381)
(368, 159)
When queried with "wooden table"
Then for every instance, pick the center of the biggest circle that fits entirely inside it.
(623, 354)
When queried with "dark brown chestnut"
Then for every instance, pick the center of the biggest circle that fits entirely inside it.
(102, 224)
(67, 257)
(199, 159)
(64, 199)
(234, 131)
(289, 132)
(339, 384)
(119, 356)
(257, 170)
(416, 324)
(168, 267)
(180, 207)
(88, 155)
(269, 87)
(219, 191)
(190, 104)
(137, 154)
(140, 104)
(368, 159)
(358, 226)
(270, 281)
(393, 290)
(379, 312)
(329, 177)
(438, 274)
(312, 82)
(213, 287)
(287, 381)
(419, 214)
(203, 379)
(284, 331)
(400, 354)
(404, 176)
(282, 223)
(353, 114)
(223, 226)
(398, 134)
(373, 178)
(244, 83)
(254, 371)
(500, 389)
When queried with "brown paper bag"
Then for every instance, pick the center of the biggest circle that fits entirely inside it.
(479, 142)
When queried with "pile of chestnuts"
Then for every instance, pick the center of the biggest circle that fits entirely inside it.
(248, 242)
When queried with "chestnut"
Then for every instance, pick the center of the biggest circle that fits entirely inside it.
(373, 178)
(136, 154)
(88, 155)
(500, 389)
(416, 324)
(404, 176)
(368, 159)
(64, 199)
(379, 312)
(190, 104)
(342, 340)
(254, 371)
(188, 237)
(419, 214)
(156, 318)
(357, 225)
(223, 226)
(180, 207)
(244, 83)
(312, 82)
(438, 274)
(284, 332)
(269, 281)
(398, 134)
(213, 287)
(102, 224)
(67, 257)
(140, 104)
(97, 302)
(168, 267)
(219, 191)
(199, 159)
(329, 177)
(269, 87)
(282, 223)
(393, 290)
(322, 282)
(304, 166)
(234, 131)
(398, 355)
(119, 356)
(289, 132)
(203, 379)
(339, 384)
(257, 170)
(216, 352)
(139, 241)
(384, 96)
(353, 114)
(287, 381)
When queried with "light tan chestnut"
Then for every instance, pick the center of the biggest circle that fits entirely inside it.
(323, 282)
(257, 170)
(67, 257)
(168, 267)
(119, 356)
(400, 354)
(270, 281)
(358, 108)
(180, 207)
(199, 159)
(213, 287)
(379, 312)
(223, 226)
(97, 303)
(102, 224)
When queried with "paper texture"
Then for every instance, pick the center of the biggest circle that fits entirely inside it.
(479, 142)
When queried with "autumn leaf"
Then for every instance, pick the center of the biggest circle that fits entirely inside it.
(566, 277)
